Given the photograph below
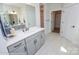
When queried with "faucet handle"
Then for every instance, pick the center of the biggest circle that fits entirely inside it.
(27, 28)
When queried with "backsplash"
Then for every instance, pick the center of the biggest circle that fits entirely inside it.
(17, 27)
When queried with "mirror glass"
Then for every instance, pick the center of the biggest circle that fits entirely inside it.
(20, 15)
(13, 20)
(31, 16)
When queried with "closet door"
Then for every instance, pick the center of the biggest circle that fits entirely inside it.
(71, 23)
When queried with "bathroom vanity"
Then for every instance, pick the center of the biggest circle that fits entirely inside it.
(20, 33)
(21, 40)
(26, 43)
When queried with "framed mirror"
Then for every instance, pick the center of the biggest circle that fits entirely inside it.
(13, 19)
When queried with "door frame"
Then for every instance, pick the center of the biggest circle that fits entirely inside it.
(43, 15)
(52, 19)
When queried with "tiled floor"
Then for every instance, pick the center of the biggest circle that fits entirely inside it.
(55, 45)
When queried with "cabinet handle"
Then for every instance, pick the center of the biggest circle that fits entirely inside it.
(41, 37)
(35, 41)
(25, 48)
(17, 45)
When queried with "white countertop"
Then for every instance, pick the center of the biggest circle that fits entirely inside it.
(22, 35)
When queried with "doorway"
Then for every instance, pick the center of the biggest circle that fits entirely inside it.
(56, 17)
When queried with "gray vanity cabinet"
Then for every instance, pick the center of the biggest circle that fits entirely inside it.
(43, 37)
(17, 48)
(37, 41)
(33, 43)
(30, 44)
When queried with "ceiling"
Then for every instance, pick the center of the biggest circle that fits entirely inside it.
(20, 4)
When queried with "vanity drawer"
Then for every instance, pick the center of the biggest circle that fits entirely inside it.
(16, 46)
(36, 35)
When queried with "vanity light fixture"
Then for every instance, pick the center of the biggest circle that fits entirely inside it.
(13, 12)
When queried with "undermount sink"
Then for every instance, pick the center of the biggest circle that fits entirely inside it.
(25, 29)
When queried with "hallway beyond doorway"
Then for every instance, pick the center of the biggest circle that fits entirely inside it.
(56, 20)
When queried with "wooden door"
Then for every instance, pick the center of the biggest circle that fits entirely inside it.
(42, 15)
(57, 20)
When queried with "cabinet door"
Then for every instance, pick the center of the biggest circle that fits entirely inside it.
(34, 43)
(42, 39)
(19, 51)
(30, 46)
(37, 41)
(17, 48)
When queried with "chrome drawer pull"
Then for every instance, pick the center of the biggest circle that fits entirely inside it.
(17, 45)
(25, 48)
(35, 41)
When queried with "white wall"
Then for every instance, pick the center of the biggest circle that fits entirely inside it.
(70, 18)
(27, 12)
(48, 8)
(1, 8)
(37, 11)
(9, 9)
